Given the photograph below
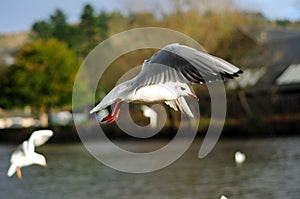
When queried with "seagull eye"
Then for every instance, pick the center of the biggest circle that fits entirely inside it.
(182, 88)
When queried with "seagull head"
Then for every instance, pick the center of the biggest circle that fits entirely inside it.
(39, 159)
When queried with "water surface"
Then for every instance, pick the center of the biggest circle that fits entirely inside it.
(271, 170)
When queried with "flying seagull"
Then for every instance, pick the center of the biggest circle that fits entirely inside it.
(166, 77)
(25, 155)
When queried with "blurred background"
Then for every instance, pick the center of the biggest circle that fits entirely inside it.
(42, 45)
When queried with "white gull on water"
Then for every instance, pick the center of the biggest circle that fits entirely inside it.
(25, 155)
(166, 77)
(239, 157)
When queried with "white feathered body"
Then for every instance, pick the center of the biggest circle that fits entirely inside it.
(25, 154)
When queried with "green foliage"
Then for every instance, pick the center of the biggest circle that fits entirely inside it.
(44, 29)
(56, 26)
(7, 94)
(81, 37)
(42, 76)
(61, 29)
(283, 23)
(92, 29)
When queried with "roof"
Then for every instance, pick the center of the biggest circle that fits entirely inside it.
(276, 57)
(270, 34)
(248, 78)
(290, 75)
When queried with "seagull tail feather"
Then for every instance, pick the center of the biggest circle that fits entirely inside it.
(180, 105)
(12, 169)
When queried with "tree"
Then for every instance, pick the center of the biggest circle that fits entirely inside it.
(42, 76)
(43, 29)
(61, 29)
(81, 37)
(103, 21)
(93, 29)
(57, 27)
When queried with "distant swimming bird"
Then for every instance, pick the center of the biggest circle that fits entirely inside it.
(223, 197)
(239, 157)
(150, 113)
(25, 154)
(166, 77)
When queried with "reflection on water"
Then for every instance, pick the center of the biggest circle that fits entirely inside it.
(271, 170)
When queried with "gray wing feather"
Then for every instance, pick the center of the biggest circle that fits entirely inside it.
(201, 60)
(179, 63)
(38, 138)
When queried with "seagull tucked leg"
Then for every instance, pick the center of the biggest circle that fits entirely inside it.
(114, 114)
(19, 173)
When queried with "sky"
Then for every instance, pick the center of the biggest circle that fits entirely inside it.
(19, 15)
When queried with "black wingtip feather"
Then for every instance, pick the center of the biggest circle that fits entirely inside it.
(227, 75)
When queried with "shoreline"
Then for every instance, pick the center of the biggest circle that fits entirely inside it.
(254, 127)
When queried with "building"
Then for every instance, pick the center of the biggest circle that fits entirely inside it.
(271, 78)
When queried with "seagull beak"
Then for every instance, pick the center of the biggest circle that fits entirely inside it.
(193, 95)
(45, 165)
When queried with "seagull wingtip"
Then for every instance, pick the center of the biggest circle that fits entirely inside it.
(92, 111)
